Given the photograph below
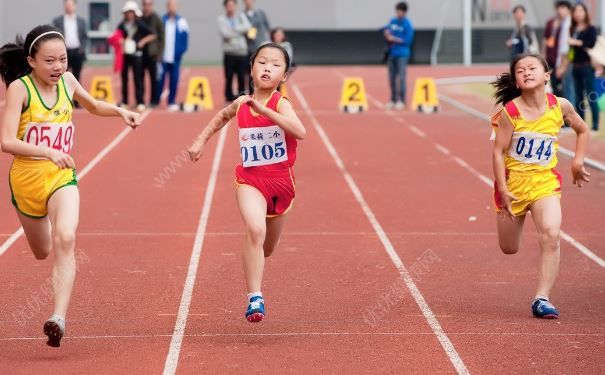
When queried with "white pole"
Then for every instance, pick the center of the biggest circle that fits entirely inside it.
(466, 34)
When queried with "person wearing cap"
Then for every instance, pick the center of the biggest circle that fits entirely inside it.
(136, 36)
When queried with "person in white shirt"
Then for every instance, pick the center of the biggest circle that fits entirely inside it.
(176, 43)
(76, 37)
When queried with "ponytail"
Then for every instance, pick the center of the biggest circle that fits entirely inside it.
(506, 88)
(506, 84)
(13, 61)
(13, 56)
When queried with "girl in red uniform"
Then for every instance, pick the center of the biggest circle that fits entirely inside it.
(268, 134)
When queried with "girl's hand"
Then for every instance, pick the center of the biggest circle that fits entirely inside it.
(196, 150)
(61, 159)
(575, 42)
(254, 104)
(579, 173)
(507, 199)
(131, 119)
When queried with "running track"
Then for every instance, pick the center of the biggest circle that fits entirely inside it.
(336, 300)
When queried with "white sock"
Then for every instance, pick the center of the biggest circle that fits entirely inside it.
(542, 297)
(254, 294)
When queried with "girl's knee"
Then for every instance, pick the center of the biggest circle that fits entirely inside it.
(41, 252)
(256, 233)
(64, 238)
(268, 250)
(509, 247)
(550, 237)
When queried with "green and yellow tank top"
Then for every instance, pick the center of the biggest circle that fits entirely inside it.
(43, 125)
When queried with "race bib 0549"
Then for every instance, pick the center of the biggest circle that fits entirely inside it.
(262, 146)
(57, 136)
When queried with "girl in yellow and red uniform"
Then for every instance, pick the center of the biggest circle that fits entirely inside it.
(268, 132)
(40, 135)
(524, 158)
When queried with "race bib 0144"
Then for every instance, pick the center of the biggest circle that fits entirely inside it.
(533, 148)
(262, 146)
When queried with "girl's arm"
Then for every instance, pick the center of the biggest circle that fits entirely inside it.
(16, 99)
(504, 134)
(570, 116)
(216, 123)
(286, 118)
(97, 107)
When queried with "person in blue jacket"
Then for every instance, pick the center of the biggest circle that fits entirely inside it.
(176, 41)
(399, 34)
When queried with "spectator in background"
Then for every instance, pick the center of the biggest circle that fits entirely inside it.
(399, 35)
(76, 38)
(257, 35)
(176, 43)
(278, 36)
(233, 29)
(523, 38)
(555, 48)
(136, 36)
(152, 53)
(583, 36)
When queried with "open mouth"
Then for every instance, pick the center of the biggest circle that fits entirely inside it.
(265, 77)
(55, 76)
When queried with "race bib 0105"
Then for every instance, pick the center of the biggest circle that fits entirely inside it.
(262, 146)
(533, 148)
(57, 136)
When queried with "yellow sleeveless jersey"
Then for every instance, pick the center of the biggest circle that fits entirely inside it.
(44, 125)
(534, 143)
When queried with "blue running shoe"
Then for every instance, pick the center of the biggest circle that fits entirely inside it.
(256, 309)
(542, 308)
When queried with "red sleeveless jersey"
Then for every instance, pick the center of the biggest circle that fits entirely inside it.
(264, 146)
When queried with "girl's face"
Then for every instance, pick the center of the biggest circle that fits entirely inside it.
(50, 61)
(279, 36)
(269, 68)
(579, 15)
(530, 74)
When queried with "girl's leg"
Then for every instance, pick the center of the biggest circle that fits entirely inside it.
(275, 227)
(546, 214)
(253, 208)
(509, 232)
(63, 212)
(38, 234)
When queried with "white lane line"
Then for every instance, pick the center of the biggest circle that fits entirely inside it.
(565, 151)
(309, 334)
(417, 131)
(489, 182)
(442, 149)
(583, 249)
(447, 345)
(106, 150)
(172, 358)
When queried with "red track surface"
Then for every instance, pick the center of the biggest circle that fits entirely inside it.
(138, 227)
